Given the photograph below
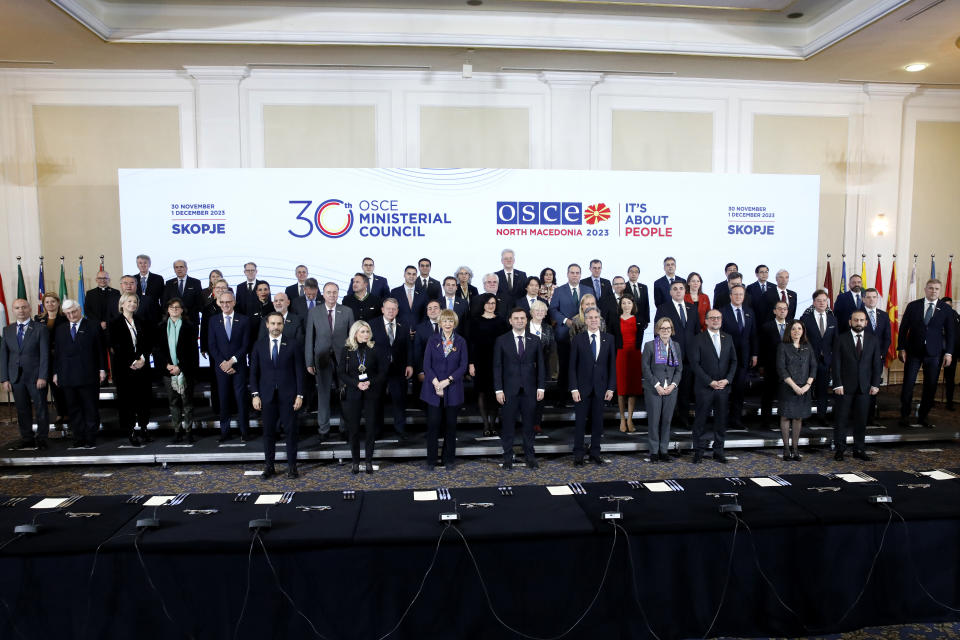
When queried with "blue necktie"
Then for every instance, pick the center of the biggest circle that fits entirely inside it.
(180, 288)
(449, 303)
(310, 304)
(739, 320)
(20, 335)
(228, 326)
(593, 343)
(73, 331)
(276, 352)
(683, 315)
(143, 285)
(928, 316)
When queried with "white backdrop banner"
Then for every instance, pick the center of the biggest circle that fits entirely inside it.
(330, 219)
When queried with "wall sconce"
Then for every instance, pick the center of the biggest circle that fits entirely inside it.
(880, 226)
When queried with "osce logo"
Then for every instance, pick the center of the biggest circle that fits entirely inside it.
(334, 218)
(570, 213)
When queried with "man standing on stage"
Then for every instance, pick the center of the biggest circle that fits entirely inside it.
(925, 341)
(24, 366)
(519, 382)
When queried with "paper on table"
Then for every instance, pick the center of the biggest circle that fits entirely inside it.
(158, 501)
(657, 486)
(268, 498)
(49, 503)
(424, 496)
(852, 477)
(560, 490)
(938, 475)
(765, 482)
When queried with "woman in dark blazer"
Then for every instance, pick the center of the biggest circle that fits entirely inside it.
(465, 290)
(444, 365)
(53, 317)
(130, 347)
(662, 370)
(363, 375)
(178, 361)
(797, 368)
(540, 326)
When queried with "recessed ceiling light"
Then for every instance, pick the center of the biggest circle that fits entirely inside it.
(794, 15)
(916, 66)
(474, 3)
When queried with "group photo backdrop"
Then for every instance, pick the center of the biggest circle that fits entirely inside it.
(330, 219)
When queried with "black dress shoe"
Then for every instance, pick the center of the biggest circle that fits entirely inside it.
(796, 457)
(597, 460)
(267, 473)
(532, 464)
(225, 438)
(862, 455)
(402, 437)
(950, 407)
(654, 458)
(42, 444)
(355, 469)
(903, 422)
(368, 467)
(787, 457)
(719, 457)
(292, 473)
(926, 424)
(430, 467)
(25, 444)
(190, 437)
(507, 465)
(838, 456)
(697, 457)
(578, 462)
(665, 457)
(324, 437)
(134, 440)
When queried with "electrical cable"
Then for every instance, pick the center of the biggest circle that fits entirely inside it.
(633, 580)
(873, 565)
(726, 582)
(163, 605)
(286, 595)
(3, 600)
(93, 567)
(246, 593)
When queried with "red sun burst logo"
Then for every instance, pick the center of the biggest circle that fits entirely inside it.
(596, 213)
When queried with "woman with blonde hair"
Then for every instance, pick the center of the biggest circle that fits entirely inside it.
(444, 365)
(130, 348)
(361, 376)
(662, 370)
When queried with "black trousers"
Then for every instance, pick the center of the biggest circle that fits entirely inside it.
(718, 400)
(442, 417)
(134, 395)
(771, 384)
(396, 390)
(366, 403)
(563, 368)
(820, 387)
(852, 411)
(273, 409)
(684, 392)
(950, 379)
(931, 371)
(738, 388)
(83, 412)
(28, 398)
(590, 407)
(233, 385)
(523, 403)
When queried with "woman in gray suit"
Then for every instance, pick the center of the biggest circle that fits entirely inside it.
(797, 368)
(662, 367)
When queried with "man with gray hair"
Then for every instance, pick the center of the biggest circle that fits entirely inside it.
(780, 293)
(511, 282)
(80, 365)
(491, 284)
(187, 288)
(24, 367)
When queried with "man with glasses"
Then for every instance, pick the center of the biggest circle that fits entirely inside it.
(713, 360)
(247, 302)
(102, 303)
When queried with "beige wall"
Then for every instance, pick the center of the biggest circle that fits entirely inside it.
(491, 137)
(78, 151)
(811, 145)
(935, 221)
(662, 141)
(319, 136)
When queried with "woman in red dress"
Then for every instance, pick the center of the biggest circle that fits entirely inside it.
(696, 296)
(629, 341)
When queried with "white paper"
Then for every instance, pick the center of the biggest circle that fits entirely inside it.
(560, 490)
(657, 487)
(424, 496)
(268, 498)
(251, 473)
(852, 477)
(49, 503)
(938, 475)
(765, 482)
(158, 501)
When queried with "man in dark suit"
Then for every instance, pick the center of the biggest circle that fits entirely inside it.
(768, 341)
(592, 382)
(246, 296)
(80, 365)
(925, 341)
(430, 286)
(686, 324)
(24, 367)
(276, 384)
(148, 309)
(422, 333)
(302, 305)
(740, 324)
(602, 288)
(365, 305)
(187, 288)
(721, 290)
(661, 286)
(848, 302)
(531, 295)
(229, 341)
(878, 323)
(564, 306)
(757, 295)
(721, 297)
(392, 342)
(413, 302)
(511, 283)
(149, 285)
(857, 367)
(376, 285)
(102, 303)
(295, 290)
(326, 330)
(950, 370)
(458, 305)
(713, 359)
(638, 290)
(292, 323)
(782, 293)
(821, 329)
(519, 382)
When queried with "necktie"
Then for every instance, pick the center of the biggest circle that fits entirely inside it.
(410, 298)
(593, 343)
(596, 286)
(276, 352)
(739, 320)
(73, 331)
(310, 304)
(301, 291)
(20, 334)
(390, 332)
(636, 292)
(823, 326)
(671, 281)
(180, 287)
(228, 325)
(330, 319)
(859, 346)
(449, 303)
(576, 298)
(780, 326)
(531, 301)
(682, 313)
(520, 346)
(783, 296)
(716, 342)
(763, 288)
(929, 314)
(143, 285)
(873, 319)
(436, 328)
(424, 283)
(856, 300)
(510, 281)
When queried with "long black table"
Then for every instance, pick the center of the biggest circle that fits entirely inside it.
(801, 556)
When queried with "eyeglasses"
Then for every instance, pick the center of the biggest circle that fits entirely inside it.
(175, 307)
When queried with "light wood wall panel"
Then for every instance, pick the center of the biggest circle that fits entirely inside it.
(319, 136)
(494, 137)
(662, 141)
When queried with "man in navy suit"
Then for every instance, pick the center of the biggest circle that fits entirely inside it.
(740, 324)
(80, 365)
(721, 297)
(602, 288)
(392, 340)
(24, 367)
(950, 370)
(686, 324)
(302, 305)
(531, 295)
(848, 302)
(276, 384)
(295, 291)
(821, 329)
(781, 293)
(925, 341)
(519, 382)
(592, 381)
(413, 302)
(422, 333)
(228, 337)
(491, 284)
(661, 286)
(757, 295)
(458, 305)
(857, 367)
(429, 286)
(187, 288)
(768, 342)
(148, 284)
(638, 290)
(564, 305)
(376, 285)
(511, 283)
(713, 359)
(721, 290)
(247, 301)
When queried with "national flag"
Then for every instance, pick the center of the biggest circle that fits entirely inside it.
(949, 288)
(892, 314)
(912, 287)
(21, 287)
(933, 269)
(828, 284)
(879, 279)
(843, 279)
(81, 289)
(596, 213)
(863, 271)
(101, 263)
(62, 291)
(4, 316)
(41, 290)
